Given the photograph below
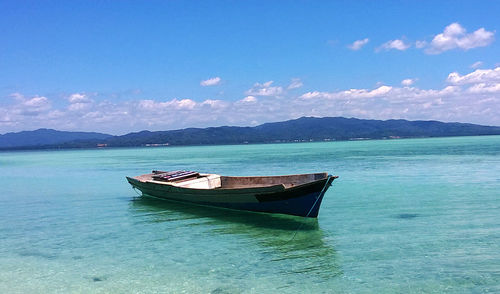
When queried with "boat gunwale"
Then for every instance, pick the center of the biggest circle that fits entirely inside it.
(249, 189)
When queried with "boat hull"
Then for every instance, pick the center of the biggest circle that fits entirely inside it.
(303, 200)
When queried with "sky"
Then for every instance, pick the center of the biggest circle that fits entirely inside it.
(125, 66)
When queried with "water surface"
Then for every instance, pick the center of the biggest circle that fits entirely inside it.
(412, 216)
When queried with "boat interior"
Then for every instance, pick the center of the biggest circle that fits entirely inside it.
(195, 180)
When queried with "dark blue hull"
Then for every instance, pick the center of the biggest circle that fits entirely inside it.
(307, 205)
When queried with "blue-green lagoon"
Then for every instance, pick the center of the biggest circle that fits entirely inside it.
(405, 216)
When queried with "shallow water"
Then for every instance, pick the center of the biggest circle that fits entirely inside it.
(412, 216)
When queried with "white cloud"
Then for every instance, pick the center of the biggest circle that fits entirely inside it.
(408, 82)
(79, 102)
(78, 98)
(264, 89)
(79, 106)
(476, 65)
(312, 95)
(173, 104)
(477, 76)
(455, 36)
(211, 82)
(394, 44)
(362, 93)
(351, 93)
(184, 103)
(249, 99)
(24, 111)
(485, 88)
(32, 106)
(214, 103)
(36, 102)
(296, 83)
(358, 44)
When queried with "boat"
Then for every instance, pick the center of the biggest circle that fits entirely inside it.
(299, 194)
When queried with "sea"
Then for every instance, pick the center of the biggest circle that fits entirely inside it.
(404, 216)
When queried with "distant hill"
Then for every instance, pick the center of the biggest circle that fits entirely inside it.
(297, 130)
(305, 129)
(43, 137)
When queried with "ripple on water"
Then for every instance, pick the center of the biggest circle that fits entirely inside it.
(407, 215)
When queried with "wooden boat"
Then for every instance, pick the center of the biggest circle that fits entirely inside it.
(291, 194)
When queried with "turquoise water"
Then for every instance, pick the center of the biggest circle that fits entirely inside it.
(405, 216)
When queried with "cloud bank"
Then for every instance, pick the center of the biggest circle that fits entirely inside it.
(470, 97)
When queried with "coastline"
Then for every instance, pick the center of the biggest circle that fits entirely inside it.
(52, 148)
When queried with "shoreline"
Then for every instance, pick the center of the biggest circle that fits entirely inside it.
(54, 148)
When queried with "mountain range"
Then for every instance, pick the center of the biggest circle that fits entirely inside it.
(43, 137)
(297, 130)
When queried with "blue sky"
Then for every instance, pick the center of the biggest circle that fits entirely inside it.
(121, 66)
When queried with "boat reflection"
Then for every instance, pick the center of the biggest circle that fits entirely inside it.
(298, 243)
